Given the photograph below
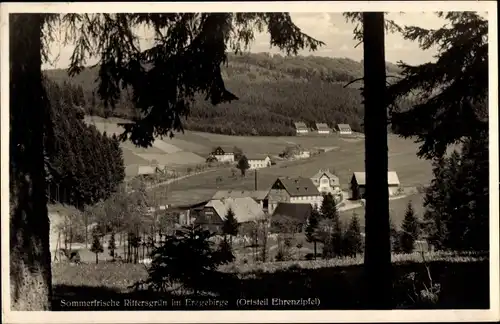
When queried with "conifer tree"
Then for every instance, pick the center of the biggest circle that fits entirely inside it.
(409, 230)
(312, 229)
(243, 165)
(329, 207)
(353, 243)
(96, 245)
(230, 225)
(112, 245)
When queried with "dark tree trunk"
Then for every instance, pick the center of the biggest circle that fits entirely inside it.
(315, 250)
(30, 268)
(378, 246)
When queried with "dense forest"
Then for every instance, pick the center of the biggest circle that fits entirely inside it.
(273, 90)
(83, 166)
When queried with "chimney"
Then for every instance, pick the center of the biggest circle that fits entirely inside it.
(256, 180)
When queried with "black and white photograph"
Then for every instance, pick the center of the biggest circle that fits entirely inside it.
(284, 156)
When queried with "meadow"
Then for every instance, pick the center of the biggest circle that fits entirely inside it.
(345, 156)
(336, 282)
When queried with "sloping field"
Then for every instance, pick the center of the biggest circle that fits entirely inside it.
(176, 158)
(348, 158)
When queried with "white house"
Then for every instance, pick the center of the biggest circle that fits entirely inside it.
(344, 129)
(326, 182)
(259, 161)
(302, 154)
(358, 184)
(322, 128)
(222, 156)
(293, 190)
(301, 128)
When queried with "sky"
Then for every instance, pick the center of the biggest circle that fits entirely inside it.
(331, 28)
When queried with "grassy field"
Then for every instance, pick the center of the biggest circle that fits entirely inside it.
(346, 158)
(337, 282)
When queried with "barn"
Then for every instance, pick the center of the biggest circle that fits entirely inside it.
(358, 184)
(301, 128)
(344, 129)
(323, 128)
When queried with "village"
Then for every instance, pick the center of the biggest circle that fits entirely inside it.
(290, 197)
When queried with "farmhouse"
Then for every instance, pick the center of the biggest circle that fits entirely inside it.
(344, 129)
(293, 190)
(214, 213)
(322, 128)
(260, 196)
(301, 128)
(290, 215)
(358, 184)
(259, 161)
(326, 182)
(302, 154)
(222, 156)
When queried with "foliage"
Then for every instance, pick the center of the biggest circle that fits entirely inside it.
(237, 153)
(457, 202)
(243, 165)
(96, 245)
(329, 207)
(409, 230)
(270, 103)
(352, 240)
(188, 259)
(83, 165)
(452, 92)
(112, 245)
(395, 237)
(312, 228)
(230, 225)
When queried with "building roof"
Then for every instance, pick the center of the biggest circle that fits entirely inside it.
(300, 125)
(392, 178)
(226, 149)
(245, 209)
(322, 127)
(255, 194)
(254, 157)
(346, 127)
(320, 173)
(299, 186)
(296, 212)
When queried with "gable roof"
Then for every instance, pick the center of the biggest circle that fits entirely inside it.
(257, 157)
(300, 125)
(322, 126)
(346, 127)
(320, 173)
(245, 209)
(226, 150)
(255, 194)
(299, 186)
(296, 212)
(392, 178)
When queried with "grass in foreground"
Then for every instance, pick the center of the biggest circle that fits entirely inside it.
(463, 280)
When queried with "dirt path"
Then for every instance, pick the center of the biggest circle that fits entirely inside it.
(169, 181)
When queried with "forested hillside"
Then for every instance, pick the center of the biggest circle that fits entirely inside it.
(83, 166)
(274, 91)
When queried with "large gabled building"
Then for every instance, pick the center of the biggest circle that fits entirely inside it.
(297, 190)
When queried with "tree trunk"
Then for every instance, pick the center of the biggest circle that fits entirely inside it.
(30, 267)
(315, 250)
(96, 258)
(378, 246)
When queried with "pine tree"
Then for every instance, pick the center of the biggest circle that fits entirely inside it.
(96, 246)
(312, 229)
(337, 240)
(243, 165)
(409, 230)
(112, 245)
(353, 242)
(329, 207)
(230, 225)
(395, 234)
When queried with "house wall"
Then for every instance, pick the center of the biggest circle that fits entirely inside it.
(210, 220)
(345, 132)
(313, 200)
(302, 131)
(393, 190)
(228, 157)
(259, 164)
(276, 196)
(303, 155)
(323, 132)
